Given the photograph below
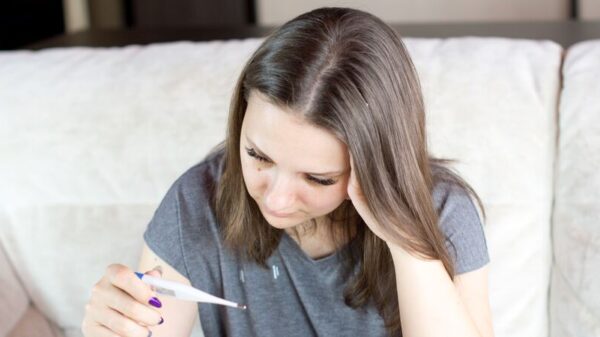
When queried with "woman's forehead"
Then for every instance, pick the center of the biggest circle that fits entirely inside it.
(281, 135)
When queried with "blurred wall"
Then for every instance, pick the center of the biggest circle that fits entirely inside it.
(76, 15)
(276, 12)
(107, 13)
(85, 14)
(589, 9)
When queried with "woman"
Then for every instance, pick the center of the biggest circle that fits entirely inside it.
(322, 211)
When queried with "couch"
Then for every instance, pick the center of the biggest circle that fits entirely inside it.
(92, 138)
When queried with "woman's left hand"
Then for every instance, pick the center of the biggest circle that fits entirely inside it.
(360, 203)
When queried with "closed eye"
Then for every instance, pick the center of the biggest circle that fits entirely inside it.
(325, 182)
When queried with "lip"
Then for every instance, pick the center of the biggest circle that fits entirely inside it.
(279, 215)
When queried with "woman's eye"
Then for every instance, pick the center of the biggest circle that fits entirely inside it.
(253, 154)
(325, 182)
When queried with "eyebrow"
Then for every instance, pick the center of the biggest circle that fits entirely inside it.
(262, 154)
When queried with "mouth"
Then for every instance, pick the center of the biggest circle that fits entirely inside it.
(275, 214)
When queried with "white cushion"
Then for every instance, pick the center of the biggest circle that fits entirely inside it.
(93, 137)
(575, 293)
(491, 104)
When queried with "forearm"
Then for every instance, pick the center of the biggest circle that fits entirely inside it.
(429, 303)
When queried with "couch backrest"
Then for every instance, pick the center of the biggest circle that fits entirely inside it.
(492, 104)
(93, 138)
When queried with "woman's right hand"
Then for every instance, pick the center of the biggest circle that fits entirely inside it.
(121, 305)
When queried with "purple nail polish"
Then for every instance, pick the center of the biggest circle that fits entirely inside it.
(161, 321)
(155, 302)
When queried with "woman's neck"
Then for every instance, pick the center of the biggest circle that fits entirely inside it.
(317, 242)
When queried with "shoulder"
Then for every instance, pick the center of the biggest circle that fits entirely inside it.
(188, 200)
(184, 227)
(456, 209)
(450, 195)
(198, 183)
(461, 225)
(192, 196)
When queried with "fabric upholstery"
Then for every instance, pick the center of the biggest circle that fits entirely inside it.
(93, 137)
(575, 292)
(13, 297)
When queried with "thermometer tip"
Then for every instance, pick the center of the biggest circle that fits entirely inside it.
(241, 306)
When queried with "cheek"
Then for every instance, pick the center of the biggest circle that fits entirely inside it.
(322, 203)
(314, 199)
(324, 200)
(253, 177)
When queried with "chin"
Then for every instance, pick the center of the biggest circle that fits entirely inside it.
(281, 223)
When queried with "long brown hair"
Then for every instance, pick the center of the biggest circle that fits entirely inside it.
(347, 72)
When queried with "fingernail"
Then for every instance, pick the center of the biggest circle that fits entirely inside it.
(161, 321)
(159, 269)
(155, 302)
(149, 333)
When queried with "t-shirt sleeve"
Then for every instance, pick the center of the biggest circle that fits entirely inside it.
(163, 233)
(463, 230)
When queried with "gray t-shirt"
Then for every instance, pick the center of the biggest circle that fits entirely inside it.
(297, 295)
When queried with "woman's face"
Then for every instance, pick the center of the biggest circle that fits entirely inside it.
(294, 171)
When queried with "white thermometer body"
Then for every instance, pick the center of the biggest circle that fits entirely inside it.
(184, 292)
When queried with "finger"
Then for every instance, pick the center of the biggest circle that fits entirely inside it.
(119, 324)
(125, 279)
(89, 327)
(100, 331)
(352, 172)
(353, 184)
(154, 273)
(122, 302)
(159, 269)
(349, 188)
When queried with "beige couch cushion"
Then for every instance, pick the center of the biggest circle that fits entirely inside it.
(94, 137)
(575, 294)
(589, 9)
(492, 104)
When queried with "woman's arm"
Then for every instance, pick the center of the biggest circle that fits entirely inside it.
(431, 305)
(179, 316)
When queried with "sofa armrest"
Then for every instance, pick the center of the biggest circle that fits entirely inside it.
(34, 324)
(13, 297)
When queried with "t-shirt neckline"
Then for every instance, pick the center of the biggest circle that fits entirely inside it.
(294, 246)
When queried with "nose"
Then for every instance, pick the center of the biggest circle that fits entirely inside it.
(281, 195)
